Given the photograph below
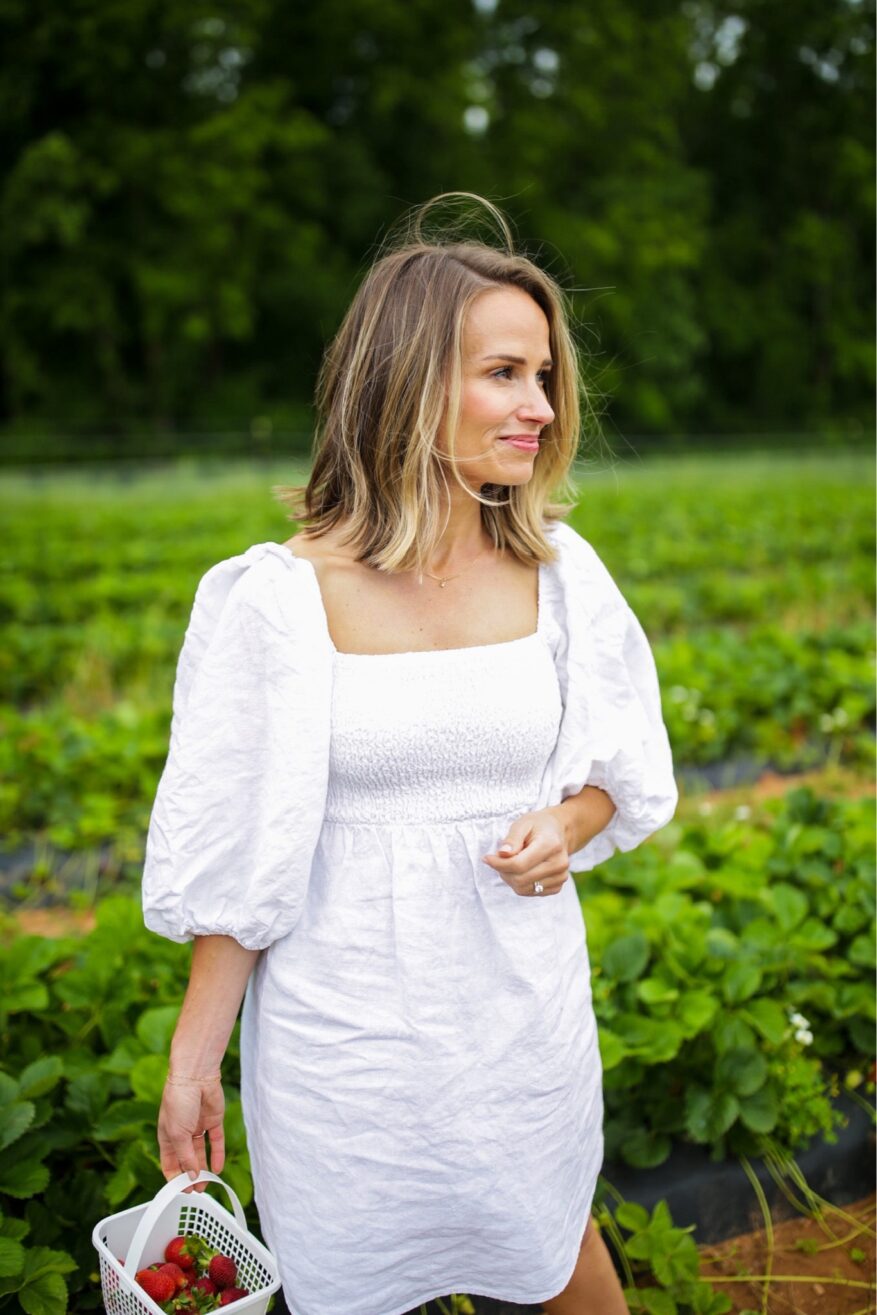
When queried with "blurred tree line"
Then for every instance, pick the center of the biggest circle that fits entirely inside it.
(191, 191)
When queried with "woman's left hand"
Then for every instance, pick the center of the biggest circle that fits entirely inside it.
(534, 850)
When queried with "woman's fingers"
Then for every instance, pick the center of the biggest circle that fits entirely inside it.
(217, 1147)
(186, 1112)
(200, 1144)
(180, 1155)
(553, 872)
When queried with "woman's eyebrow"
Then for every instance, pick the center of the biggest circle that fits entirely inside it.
(516, 360)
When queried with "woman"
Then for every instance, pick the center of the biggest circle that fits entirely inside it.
(394, 737)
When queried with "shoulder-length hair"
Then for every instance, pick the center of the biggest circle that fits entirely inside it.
(390, 377)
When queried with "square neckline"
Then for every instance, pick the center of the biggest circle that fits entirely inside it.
(431, 652)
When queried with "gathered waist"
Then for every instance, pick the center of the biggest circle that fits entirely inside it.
(477, 820)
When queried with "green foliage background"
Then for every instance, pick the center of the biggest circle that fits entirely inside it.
(190, 193)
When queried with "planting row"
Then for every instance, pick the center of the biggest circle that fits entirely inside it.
(732, 972)
(85, 774)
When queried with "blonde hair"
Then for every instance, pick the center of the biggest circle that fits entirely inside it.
(385, 380)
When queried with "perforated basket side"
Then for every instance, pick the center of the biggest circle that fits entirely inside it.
(253, 1274)
(120, 1296)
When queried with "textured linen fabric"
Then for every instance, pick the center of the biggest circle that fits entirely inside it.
(420, 1074)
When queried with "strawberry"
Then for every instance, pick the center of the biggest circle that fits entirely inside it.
(223, 1270)
(232, 1294)
(183, 1251)
(204, 1284)
(160, 1287)
(180, 1279)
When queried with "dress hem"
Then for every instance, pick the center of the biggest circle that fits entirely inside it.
(472, 1289)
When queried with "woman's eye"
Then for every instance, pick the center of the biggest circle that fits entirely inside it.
(506, 370)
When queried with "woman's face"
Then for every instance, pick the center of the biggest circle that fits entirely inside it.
(506, 359)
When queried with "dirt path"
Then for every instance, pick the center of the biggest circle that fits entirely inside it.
(825, 1257)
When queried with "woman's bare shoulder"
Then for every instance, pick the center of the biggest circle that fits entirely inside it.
(323, 548)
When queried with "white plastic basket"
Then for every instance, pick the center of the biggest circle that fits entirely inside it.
(142, 1233)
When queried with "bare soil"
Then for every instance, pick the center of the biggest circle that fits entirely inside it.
(57, 921)
(816, 1267)
(833, 782)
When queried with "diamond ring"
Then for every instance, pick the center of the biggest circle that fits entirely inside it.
(538, 888)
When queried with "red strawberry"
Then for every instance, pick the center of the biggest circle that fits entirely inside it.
(232, 1294)
(182, 1252)
(223, 1270)
(204, 1284)
(160, 1287)
(180, 1279)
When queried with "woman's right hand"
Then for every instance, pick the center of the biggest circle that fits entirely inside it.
(188, 1108)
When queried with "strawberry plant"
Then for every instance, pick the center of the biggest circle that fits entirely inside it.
(732, 974)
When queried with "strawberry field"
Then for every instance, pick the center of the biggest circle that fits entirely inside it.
(732, 955)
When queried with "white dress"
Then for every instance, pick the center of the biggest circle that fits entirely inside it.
(420, 1071)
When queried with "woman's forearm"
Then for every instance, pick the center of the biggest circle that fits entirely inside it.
(217, 980)
(584, 815)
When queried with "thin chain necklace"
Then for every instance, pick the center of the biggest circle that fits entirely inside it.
(443, 580)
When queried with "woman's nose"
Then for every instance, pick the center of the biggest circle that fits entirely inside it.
(536, 406)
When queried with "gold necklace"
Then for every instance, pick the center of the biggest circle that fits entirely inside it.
(443, 580)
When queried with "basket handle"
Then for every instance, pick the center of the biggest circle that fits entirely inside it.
(160, 1200)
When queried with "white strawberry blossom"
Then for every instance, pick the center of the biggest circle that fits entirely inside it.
(802, 1029)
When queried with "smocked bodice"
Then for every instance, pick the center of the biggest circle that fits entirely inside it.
(442, 735)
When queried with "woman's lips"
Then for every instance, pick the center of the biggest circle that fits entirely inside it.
(526, 442)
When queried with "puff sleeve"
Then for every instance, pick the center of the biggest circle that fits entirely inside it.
(612, 734)
(240, 802)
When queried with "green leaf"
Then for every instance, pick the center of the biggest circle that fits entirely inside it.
(14, 1228)
(709, 1114)
(730, 1031)
(849, 919)
(696, 1011)
(768, 1018)
(8, 1090)
(814, 935)
(861, 952)
(705, 1301)
(125, 1118)
(148, 1078)
(760, 1111)
(862, 1034)
(612, 1049)
(654, 990)
(790, 905)
(136, 1169)
(11, 1256)
(88, 1094)
(40, 1076)
(645, 1149)
(46, 1260)
(741, 1071)
(26, 997)
(45, 1295)
(632, 1215)
(14, 1120)
(657, 1301)
(654, 1040)
(155, 1028)
(722, 944)
(123, 1056)
(24, 1179)
(740, 982)
(625, 958)
(678, 1260)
